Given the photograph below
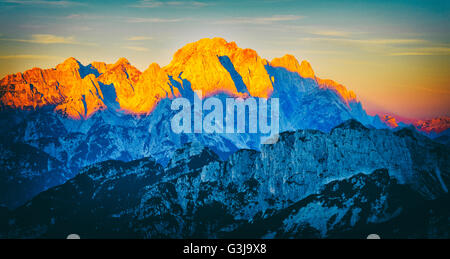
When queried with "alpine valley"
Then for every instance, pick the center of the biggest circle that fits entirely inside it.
(90, 149)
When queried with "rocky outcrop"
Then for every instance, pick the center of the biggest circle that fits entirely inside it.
(355, 208)
(309, 184)
(290, 63)
(80, 115)
(214, 66)
(26, 171)
(433, 126)
(390, 121)
(211, 65)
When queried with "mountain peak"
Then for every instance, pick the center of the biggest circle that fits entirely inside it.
(306, 70)
(215, 40)
(68, 64)
(204, 47)
(436, 125)
(351, 124)
(287, 61)
(121, 69)
(291, 63)
(216, 66)
(389, 120)
(347, 96)
(122, 61)
(100, 66)
(153, 66)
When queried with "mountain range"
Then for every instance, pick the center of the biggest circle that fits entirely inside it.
(92, 147)
(310, 184)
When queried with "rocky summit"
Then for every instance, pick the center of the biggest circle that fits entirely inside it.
(90, 148)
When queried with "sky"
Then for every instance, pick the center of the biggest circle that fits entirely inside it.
(395, 55)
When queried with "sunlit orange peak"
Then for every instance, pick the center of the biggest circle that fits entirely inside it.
(291, 64)
(122, 61)
(69, 64)
(306, 70)
(207, 65)
(390, 121)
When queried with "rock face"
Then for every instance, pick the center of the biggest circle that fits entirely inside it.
(354, 208)
(26, 171)
(211, 65)
(80, 115)
(434, 126)
(346, 183)
(389, 120)
(79, 91)
(57, 121)
(290, 63)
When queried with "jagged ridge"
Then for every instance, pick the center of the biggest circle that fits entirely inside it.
(295, 188)
(210, 65)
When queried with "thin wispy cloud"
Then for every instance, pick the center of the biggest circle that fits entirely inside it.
(82, 28)
(135, 48)
(78, 16)
(316, 30)
(412, 54)
(55, 3)
(139, 38)
(50, 39)
(71, 27)
(260, 20)
(153, 20)
(74, 16)
(368, 41)
(430, 51)
(391, 46)
(29, 56)
(157, 4)
(321, 52)
(333, 33)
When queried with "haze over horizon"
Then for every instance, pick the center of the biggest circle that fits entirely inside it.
(393, 54)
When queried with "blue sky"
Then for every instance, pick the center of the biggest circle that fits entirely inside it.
(393, 54)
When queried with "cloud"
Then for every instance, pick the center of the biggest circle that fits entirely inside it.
(260, 20)
(430, 51)
(56, 3)
(51, 39)
(82, 28)
(139, 38)
(369, 41)
(392, 46)
(74, 16)
(29, 56)
(156, 4)
(331, 33)
(411, 54)
(153, 20)
(71, 27)
(79, 16)
(135, 48)
(46, 39)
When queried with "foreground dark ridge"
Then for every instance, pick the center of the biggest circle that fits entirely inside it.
(309, 184)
